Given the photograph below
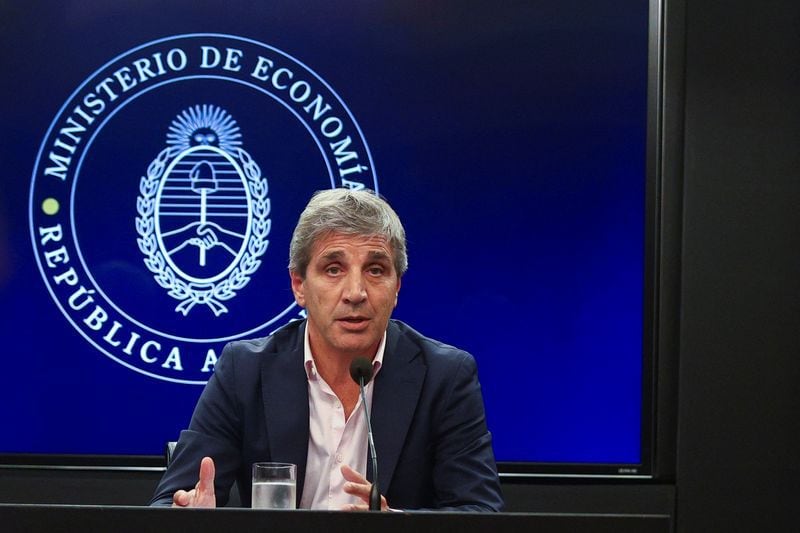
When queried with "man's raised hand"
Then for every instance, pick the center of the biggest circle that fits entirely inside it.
(202, 495)
(357, 485)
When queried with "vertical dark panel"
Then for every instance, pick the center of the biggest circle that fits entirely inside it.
(668, 232)
(738, 447)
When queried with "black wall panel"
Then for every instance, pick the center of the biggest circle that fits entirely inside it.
(738, 458)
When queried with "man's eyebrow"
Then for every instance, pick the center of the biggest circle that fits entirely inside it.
(333, 255)
(378, 255)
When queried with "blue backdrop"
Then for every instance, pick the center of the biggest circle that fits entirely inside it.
(509, 137)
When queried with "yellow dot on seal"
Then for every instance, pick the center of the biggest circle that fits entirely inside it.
(50, 206)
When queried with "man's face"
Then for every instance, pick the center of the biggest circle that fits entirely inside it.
(349, 292)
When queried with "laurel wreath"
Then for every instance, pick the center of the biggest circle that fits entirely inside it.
(210, 294)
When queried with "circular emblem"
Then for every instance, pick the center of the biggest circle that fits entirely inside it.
(166, 189)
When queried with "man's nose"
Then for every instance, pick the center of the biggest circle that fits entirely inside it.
(354, 290)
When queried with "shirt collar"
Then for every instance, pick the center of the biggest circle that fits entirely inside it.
(311, 368)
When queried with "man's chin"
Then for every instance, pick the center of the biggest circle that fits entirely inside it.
(356, 344)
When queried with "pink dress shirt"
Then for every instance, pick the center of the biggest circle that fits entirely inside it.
(332, 440)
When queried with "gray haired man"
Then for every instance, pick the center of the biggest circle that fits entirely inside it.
(289, 397)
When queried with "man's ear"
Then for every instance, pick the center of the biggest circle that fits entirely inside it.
(298, 289)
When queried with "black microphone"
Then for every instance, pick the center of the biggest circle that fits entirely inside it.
(361, 372)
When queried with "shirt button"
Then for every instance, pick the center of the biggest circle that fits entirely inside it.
(338, 458)
(338, 405)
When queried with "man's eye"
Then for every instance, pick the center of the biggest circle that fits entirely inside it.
(334, 270)
(376, 271)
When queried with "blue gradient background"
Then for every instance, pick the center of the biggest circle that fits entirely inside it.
(510, 139)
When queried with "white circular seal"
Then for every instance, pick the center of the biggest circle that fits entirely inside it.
(166, 189)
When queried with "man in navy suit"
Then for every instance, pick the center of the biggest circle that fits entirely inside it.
(290, 398)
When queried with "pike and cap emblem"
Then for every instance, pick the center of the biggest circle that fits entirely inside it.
(203, 211)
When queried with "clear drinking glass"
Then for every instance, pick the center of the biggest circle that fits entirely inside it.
(274, 486)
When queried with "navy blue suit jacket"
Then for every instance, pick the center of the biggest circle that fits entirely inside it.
(434, 450)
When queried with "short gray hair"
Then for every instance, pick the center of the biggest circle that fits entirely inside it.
(351, 212)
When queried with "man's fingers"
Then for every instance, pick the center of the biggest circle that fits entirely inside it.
(355, 507)
(351, 475)
(181, 498)
(358, 489)
(361, 491)
(206, 483)
(202, 495)
(357, 485)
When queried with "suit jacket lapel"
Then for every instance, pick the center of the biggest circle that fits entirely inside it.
(397, 389)
(285, 392)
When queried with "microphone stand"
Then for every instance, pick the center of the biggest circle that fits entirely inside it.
(374, 492)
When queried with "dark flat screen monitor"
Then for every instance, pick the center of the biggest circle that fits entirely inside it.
(157, 155)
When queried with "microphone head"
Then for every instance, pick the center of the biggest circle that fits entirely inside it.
(361, 368)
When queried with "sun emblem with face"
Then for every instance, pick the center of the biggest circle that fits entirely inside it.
(205, 125)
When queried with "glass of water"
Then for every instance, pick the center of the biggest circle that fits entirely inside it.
(274, 485)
